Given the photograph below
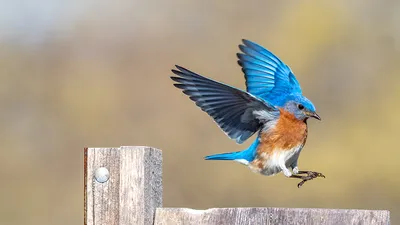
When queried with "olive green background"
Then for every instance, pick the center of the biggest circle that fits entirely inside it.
(96, 73)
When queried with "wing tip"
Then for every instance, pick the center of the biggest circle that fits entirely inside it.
(174, 78)
(179, 67)
(246, 41)
(180, 86)
(242, 48)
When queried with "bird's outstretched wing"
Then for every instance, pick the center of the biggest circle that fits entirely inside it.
(238, 113)
(266, 75)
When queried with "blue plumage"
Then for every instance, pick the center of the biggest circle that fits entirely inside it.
(273, 105)
(232, 109)
(247, 155)
(266, 75)
(225, 156)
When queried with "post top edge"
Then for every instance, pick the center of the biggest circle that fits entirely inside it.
(273, 208)
(124, 147)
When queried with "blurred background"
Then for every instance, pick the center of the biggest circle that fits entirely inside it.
(96, 73)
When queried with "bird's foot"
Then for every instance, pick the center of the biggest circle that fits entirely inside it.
(287, 173)
(310, 175)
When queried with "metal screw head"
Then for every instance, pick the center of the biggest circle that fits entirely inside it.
(102, 175)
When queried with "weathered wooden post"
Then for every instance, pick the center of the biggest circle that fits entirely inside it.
(271, 216)
(123, 186)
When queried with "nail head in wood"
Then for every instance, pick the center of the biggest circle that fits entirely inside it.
(132, 188)
(102, 175)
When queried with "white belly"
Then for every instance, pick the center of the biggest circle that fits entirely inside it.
(280, 159)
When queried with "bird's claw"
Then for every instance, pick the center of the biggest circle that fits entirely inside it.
(315, 174)
(310, 175)
(301, 183)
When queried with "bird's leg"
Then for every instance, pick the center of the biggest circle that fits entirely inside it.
(285, 170)
(294, 167)
(303, 178)
(310, 175)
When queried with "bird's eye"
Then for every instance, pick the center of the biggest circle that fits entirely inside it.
(300, 106)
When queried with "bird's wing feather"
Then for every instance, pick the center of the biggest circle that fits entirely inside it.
(266, 75)
(232, 109)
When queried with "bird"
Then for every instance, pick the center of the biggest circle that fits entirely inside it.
(272, 105)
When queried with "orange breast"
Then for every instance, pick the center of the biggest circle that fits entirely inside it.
(288, 133)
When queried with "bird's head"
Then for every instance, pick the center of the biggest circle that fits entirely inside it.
(300, 107)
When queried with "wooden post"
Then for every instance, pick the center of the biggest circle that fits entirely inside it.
(270, 216)
(123, 185)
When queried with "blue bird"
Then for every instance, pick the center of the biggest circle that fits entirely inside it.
(273, 106)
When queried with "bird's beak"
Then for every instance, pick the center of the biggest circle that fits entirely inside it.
(315, 115)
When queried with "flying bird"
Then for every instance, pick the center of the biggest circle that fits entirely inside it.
(272, 105)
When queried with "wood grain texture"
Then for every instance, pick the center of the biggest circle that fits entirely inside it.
(284, 216)
(133, 191)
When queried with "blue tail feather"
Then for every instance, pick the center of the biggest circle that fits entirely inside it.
(248, 154)
(223, 156)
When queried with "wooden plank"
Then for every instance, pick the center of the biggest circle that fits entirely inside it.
(254, 216)
(133, 190)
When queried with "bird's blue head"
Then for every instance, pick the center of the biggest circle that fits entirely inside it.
(300, 107)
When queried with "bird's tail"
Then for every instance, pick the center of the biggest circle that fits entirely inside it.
(246, 155)
(224, 156)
